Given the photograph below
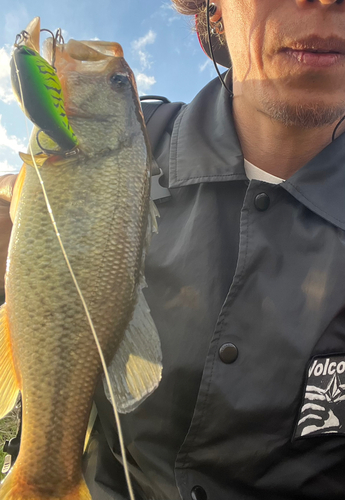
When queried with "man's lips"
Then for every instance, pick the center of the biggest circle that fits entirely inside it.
(315, 51)
(315, 43)
(315, 59)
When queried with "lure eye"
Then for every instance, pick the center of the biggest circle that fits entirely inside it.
(31, 52)
(119, 81)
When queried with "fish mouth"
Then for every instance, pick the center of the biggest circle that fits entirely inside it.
(316, 45)
(83, 51)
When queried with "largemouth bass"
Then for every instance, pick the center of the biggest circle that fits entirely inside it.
(100, 200)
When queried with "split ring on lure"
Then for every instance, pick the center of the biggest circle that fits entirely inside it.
(42, 95)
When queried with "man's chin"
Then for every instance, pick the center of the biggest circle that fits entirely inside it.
(303, 115)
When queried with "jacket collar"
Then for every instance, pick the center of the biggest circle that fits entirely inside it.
(205, 148)
(320, 184)
(204, 143)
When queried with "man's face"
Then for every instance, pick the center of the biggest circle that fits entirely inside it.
(289, 57)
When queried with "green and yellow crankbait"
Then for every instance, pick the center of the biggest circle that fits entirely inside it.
(43, 101)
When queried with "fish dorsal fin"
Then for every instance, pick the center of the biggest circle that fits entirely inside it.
(9, 387)
(136, 369)
(17, 191)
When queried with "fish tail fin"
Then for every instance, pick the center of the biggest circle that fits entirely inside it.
(9, 386)
(14, 488)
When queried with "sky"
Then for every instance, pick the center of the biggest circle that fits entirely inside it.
(159, 45)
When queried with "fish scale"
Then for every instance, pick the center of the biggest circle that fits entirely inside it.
(100, 201)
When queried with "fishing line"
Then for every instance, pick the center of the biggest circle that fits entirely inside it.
(100, 352)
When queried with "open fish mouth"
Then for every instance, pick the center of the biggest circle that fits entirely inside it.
(80, 50)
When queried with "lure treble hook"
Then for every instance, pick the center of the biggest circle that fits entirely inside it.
(58, 36)
(22, 37)
(57, 39)
(54, 37)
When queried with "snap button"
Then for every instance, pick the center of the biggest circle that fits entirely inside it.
(198, 493)
(262, 201)
(228, 353)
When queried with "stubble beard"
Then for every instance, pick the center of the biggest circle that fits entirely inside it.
(300, 115)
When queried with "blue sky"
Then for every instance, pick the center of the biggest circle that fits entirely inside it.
(158, 43)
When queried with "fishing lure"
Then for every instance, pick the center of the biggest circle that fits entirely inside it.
(43, 97)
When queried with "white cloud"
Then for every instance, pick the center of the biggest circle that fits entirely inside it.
(167, 6)
(6, 93)
(144, 82)
(206, 64)
(148, 39)
(8, 168)
(10, 145)
(11, 142)
(139, 48)
(167, 12)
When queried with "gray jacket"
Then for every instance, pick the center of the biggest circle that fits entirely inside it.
(246, 286)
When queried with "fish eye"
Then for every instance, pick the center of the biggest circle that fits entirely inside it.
(119, 81)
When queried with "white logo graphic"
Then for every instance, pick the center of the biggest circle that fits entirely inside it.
(326, 367)
(323, 408)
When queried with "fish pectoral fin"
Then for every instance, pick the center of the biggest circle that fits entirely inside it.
(39, 159)
(136, 369)
(9, 387)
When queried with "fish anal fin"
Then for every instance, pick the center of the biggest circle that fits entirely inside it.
(136, 369)
(9, 386)
(92, 420)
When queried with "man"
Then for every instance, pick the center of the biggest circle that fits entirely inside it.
(245, 277)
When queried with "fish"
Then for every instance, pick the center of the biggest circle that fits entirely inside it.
(100, 198)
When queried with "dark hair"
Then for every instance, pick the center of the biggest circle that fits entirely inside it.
(191, 8)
